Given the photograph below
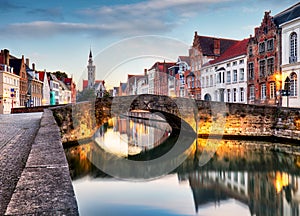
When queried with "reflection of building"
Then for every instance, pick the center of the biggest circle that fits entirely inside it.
(214, 186)
(289, 22)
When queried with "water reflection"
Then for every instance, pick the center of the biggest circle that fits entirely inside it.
(240, 179)
(133, 133)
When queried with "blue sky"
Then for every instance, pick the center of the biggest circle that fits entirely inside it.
(57, 35)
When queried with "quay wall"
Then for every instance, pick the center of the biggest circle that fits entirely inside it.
(79, 121)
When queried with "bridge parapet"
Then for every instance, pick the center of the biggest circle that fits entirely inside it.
(79, 121)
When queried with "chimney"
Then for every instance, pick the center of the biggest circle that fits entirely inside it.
(33, 66)
(145, 72)
(27, 62)
(6, 56)
(217, 46)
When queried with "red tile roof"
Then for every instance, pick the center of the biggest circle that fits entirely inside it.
(86, 82)
(237, 49)
(206, 44)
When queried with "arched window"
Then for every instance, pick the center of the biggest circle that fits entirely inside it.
(293, 84)
(293, 47)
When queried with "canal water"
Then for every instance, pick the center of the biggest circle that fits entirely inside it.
(241, 177)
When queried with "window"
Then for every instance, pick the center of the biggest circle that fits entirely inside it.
(272, 90)
(234, 95)
(293, 47)
(234, 75)
(242, 178)
(263, 92)
(228, 77)
(235, 177)
(261, 47)
(262, 68)
(211, 80)
(250, 51)
(228, 95)
(270, 66)
(202, 83)
(241, 74)
(242, 94)
(228, 65)
(234, 63)
(293, 84)
(242, 61)
(251, 70)
(270, 44)
(207, 81)
(252, 94)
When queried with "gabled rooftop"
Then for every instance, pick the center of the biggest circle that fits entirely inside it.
(237, 49)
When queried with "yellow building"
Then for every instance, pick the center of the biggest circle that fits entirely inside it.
(9, 89)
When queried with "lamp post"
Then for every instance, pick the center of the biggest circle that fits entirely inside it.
(287, 89)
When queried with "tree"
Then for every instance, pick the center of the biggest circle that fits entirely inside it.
(86, 95)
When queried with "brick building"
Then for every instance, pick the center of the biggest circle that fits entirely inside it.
(203, 50)
(264, 60)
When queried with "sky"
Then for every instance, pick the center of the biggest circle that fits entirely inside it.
(125, 36)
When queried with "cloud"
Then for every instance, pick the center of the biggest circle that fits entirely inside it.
(7, 6)
(47, 13)
(49, 28)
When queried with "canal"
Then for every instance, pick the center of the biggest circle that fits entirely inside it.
(240, 178)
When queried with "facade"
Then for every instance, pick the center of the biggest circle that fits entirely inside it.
(158, 78)
(46, 87)
(9, 89)
(289, 23)
(54, 89)
(35, 86)
(64, 93)
(183, 63)
(203, 50)
(264, 57)
(20, 70)
(72, 86)
(224, 79)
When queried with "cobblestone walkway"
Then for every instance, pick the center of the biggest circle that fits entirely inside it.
(17, 133)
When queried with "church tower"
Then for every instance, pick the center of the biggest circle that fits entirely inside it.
(91, 71)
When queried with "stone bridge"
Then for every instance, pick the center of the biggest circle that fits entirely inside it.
(207, 118)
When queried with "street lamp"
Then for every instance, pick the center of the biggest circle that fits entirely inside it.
(287, 89)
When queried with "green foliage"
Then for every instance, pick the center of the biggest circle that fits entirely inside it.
(86, 95)
(59, 75)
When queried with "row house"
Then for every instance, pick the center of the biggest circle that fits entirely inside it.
(264, 53)
(289, 23)
(224, 79)
(203, 50)
(158, 78)
(35, 86)
(72, 87)
(20, 70)
(43, 77)
(183, 63)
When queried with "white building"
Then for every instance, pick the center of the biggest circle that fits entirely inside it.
(289, 21)
(9, 89)
(225, 79)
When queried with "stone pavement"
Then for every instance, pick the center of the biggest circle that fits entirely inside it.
(16, 137)
(34, 174)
